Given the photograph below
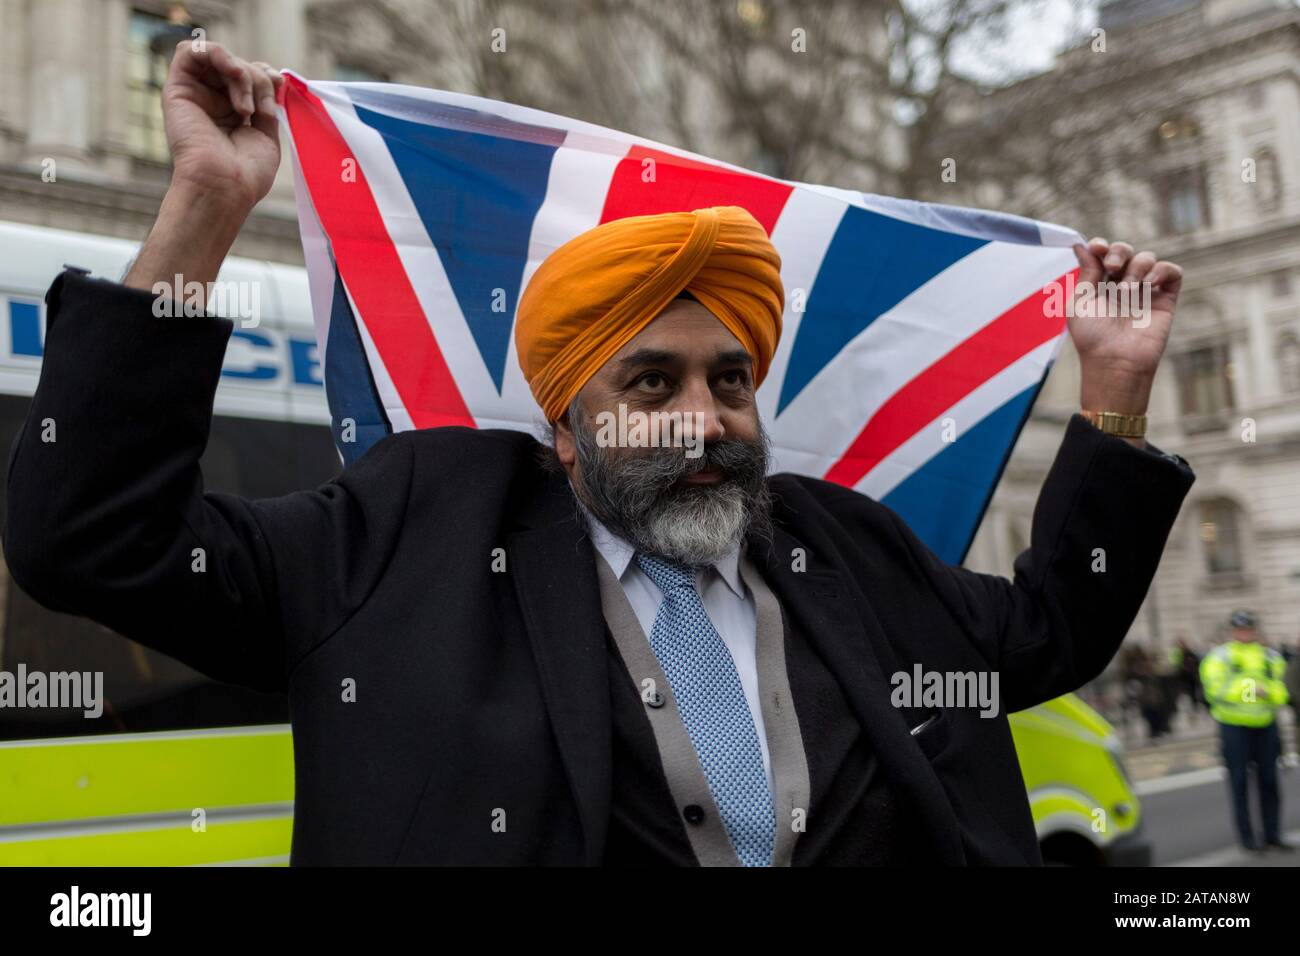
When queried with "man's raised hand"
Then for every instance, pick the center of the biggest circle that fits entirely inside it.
(219, 114)
(1121, 338)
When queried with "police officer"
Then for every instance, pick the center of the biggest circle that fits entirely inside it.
(1244, 687)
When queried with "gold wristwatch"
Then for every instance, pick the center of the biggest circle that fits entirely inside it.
(1118, 424)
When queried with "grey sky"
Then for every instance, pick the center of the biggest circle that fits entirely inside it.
(1038, 31)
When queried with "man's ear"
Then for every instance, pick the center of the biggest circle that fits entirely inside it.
(566, 446)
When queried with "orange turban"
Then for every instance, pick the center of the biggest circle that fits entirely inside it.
(592, 295)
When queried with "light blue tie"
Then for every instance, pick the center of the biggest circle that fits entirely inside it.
(705, 683)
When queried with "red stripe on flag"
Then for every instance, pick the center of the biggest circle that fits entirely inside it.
(371, 269)
(680, 185)
(1010, 336)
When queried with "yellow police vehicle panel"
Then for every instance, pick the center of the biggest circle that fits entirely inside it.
(1085, 810)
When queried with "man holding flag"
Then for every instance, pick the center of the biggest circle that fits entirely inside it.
(588, 651)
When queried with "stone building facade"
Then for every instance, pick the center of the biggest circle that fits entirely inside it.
(1206, 94)
(80, 82)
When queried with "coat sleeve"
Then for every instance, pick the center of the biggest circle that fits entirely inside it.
(1099, 528)
(107, 517)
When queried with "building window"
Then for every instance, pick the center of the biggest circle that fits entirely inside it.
(150, 42)
(1288, 362)
(1177, 130)
(1268, 181)
(1221, 537)
(1206, 381)
(1184, 205)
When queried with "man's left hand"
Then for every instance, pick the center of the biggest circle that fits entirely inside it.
(1123, 311)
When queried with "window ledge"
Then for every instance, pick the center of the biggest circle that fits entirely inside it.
(1229, 581)
(1210, 422)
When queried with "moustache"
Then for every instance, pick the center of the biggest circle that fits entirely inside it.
(737, 459)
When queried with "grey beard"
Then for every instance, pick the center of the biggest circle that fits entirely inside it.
(637, 496)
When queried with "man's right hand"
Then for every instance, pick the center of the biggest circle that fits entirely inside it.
(220, 119)
(219, 113)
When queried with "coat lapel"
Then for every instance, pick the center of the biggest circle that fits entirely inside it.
(554, 572)
(848, 637)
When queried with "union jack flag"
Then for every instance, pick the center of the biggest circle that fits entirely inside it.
(916, 336)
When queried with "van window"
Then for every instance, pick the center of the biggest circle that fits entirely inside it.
(145, 690)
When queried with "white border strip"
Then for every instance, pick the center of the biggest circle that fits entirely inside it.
(255, 731)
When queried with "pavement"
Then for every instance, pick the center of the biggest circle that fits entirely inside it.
(1167, 758)
(1193, 745)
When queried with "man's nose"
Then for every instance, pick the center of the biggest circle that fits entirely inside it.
(701, 420)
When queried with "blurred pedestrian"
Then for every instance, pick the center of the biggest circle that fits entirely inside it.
(1244, 687)
(1149, 688)
(1187, 665)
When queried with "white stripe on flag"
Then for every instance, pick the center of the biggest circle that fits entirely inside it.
(801, 235)
(316, 253)
(575, 198)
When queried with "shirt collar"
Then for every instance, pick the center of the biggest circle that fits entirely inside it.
(618, 553)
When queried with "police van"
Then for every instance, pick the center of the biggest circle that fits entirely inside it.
(175, 769)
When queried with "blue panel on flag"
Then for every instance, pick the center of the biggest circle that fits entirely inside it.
(477, 196)
(349, 388)
(944, 500)
(872, 264)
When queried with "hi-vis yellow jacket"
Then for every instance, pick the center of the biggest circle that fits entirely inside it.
(1243, 683)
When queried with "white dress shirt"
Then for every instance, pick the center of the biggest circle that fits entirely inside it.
(727, 601)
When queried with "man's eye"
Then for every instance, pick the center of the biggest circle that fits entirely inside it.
(735, 378)
(652, 380)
